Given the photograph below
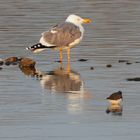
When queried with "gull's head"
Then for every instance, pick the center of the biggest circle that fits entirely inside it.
(77, 20)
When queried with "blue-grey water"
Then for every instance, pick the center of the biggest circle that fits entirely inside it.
(56, 106)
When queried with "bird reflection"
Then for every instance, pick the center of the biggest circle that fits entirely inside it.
(115, 106)
(62, 81)
(115, 109)
(57, 80)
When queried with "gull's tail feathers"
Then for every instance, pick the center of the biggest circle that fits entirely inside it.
(38, 48)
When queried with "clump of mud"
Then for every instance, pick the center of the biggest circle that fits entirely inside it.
(22, 62)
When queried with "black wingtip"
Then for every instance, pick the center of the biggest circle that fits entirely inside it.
(36, 46)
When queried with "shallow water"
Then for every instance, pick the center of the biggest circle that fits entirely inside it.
(45, 107)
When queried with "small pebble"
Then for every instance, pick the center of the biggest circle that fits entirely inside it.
(137, 62)
(92, 68)
(82, 60)
(15, 63)
(128, 63)
(122, 61)
(11, 60)
(108, 65)
(58, 61)
(1, 62)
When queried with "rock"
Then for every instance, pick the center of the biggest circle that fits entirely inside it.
(11, 60)
(128, 63)
(137, 62)
(122, 61)
(1, 62)
(27, 62)
(58, 61)
(82, 60)
(91, 68)
(108, 65)
(134, 79)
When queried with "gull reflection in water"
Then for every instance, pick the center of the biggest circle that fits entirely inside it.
(65, 82)
(70, 84)
(115, 109)
(59, 80)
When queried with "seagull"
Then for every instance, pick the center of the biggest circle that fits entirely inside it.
(63, 36)
(115, 98)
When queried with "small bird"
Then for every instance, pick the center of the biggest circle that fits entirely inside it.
(63, 36)
(115, 98)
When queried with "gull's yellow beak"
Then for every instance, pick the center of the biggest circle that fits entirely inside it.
(86, 20)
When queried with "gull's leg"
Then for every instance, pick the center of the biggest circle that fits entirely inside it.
(68, 57)
(61, 55)
(68, 54)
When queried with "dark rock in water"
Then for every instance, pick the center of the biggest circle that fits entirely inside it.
(82, 60)
(108, 65)
(128, 63)
(27, 62)
(15, 63)
(133, 79)
(92, 68)
(0, 68)
(125, 61)
(11, 60)
(58, 61)
(1, 62)
(122, 61)
(137, 62)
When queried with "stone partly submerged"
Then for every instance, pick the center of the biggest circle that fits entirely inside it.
(11, 61)
(108, 65)
(123, 61)
(27, 62)
(22, 62)
(82, 60)
(1, 62)
(137, 79)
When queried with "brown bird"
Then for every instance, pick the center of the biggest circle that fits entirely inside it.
(115, 98)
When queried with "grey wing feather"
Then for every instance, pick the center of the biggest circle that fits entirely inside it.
(62, 35)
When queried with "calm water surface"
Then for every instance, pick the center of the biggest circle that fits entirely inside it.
(73, 107)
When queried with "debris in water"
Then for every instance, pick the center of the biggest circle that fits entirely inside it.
(1, 62)
(83, 60)
(128, 63)
(122, 61)
(92, 68)
(108, 65)
(11, 60)
(133, 79)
